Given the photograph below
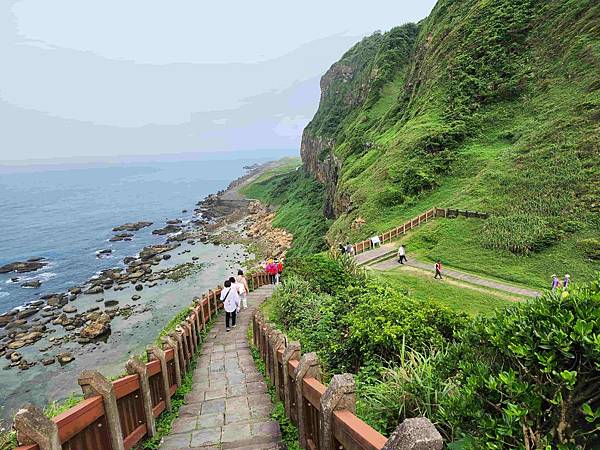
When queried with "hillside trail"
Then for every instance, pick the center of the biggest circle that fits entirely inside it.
(228, 407)
(457, 275)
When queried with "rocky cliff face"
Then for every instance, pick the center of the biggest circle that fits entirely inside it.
(319, 161)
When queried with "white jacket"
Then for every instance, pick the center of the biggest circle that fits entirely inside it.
(230, 299)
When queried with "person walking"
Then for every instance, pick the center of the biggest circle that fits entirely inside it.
(350, 249)
(555, 282)
(279, 271)
(566, 281)
(243, 290)
(438, 269)
(402, 254)
(231, 304)
(270, 269)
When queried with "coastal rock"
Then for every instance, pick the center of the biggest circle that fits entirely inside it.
(93, 309)
(94, 290)
(15, 357)
(96, 327)
(103, 253)
(152, 250)
(27, 313)
(62, 319)
(166, 256)
(31, 265)
(135, 297)
(57, 301)
(48, 361)
(169, 229)
(110, 303)
(132, 226)
(69, 309)
(33, 284)
(121, 237)
(64, 358)
(75, 290)
(139, 287)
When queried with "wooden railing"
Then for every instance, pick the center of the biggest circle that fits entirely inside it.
(323, 414)
(394, 233)
(117, 415)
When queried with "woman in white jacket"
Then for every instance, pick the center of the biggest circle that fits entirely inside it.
(231, 303)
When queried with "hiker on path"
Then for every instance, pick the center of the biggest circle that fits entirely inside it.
(231, 304)
(555, 282)
(278, 270)
(342, 249)
(271, 268)
(243, 290)
(438, 269)
(566, 281)
(350, 249)
(402, 254)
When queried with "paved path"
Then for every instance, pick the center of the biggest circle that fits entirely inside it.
(229, 407)
(375, 253)
(473, 279)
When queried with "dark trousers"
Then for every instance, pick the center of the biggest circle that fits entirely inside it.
(272, 277)
(402, 258)
(438, 273)
(230, 316)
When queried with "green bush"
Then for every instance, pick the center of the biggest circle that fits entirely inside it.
(531, 374)
(591, 248)
(518, 233)
(324, 273)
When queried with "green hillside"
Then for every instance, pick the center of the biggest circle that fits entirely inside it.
(487, 105)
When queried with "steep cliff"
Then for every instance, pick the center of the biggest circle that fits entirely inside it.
(488, 105)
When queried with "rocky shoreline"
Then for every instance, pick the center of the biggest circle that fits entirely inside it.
(58, 318)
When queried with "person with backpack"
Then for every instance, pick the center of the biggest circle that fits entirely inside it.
(566, 281)
(555, 282)
(242, 284)
(402, 254)
(438, 269)
(231, 304)
(271, 269)
(279, 271)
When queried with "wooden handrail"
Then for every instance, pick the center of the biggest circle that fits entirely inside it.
(79, 417)
(354, 434)
(312, 390)
(126, 385)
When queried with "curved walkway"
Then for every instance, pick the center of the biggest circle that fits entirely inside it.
(473, 279)
(229, 407)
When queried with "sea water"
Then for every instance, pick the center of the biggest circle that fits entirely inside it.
(65, 213)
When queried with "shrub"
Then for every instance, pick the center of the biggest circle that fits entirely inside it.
(322, 272)
(591, 248)
(519, 233)
(382, 320)
(528, 377)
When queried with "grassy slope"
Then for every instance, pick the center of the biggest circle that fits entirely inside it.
(457, 296)
(526, 93)
(298, 200)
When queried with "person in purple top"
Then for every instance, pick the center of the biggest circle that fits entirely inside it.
(554, 282)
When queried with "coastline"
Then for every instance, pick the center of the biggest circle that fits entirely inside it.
(100, 323)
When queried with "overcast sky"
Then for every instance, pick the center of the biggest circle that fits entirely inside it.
(94, 79)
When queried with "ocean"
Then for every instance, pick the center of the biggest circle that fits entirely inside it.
(66, 213)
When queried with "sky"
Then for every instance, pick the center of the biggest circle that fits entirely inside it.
(92, 80)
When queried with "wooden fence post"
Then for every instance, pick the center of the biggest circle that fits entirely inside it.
(33, 427)
(135, 366)
(292, 351)
(159, 354)
(277, 342)
(182, 359)
(208, 305)
(168, 340)
(415, 434)
(308, 367)
(202, 316)
(94, 383)
(340, 395)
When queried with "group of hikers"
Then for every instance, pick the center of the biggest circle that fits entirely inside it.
(234, 296)
(402, 259)
(556, 283)
(347, 249)
(274, 268)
